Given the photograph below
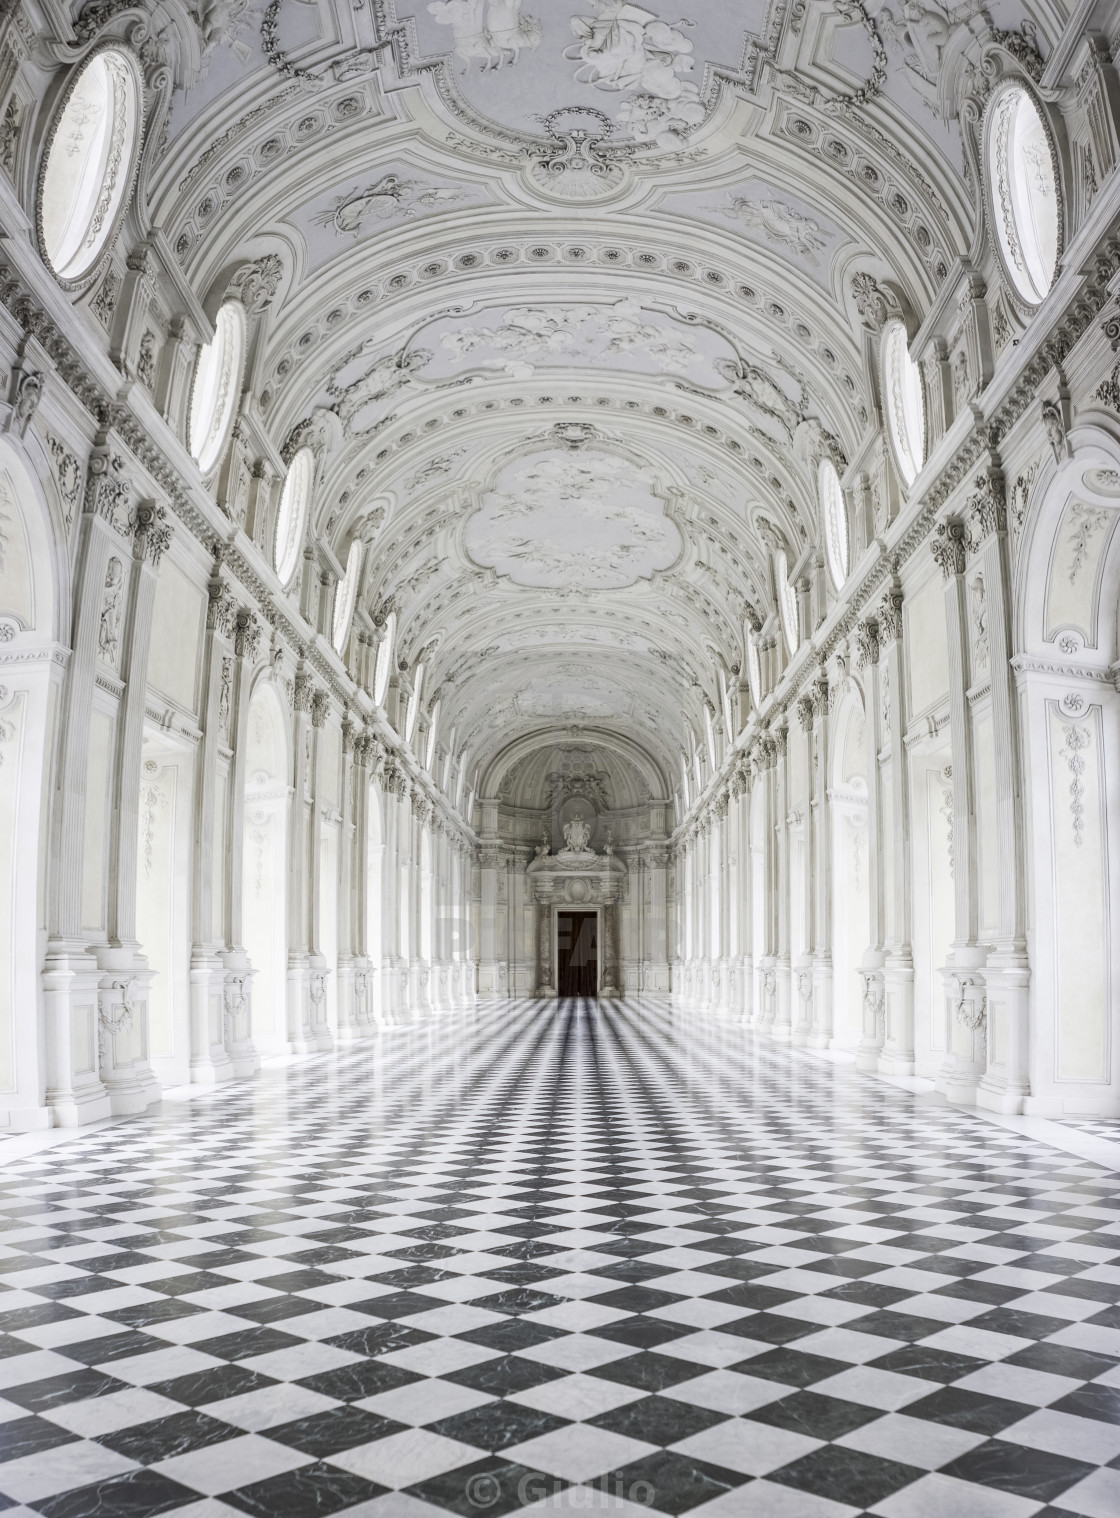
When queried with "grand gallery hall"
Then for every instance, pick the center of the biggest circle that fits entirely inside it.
(560, 758)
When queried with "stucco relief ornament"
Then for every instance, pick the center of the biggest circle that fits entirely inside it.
(27, 391)
(109, 627)
(577, 836)
(578, 169)
(948, 548)
(624, 48)
(780, 224)
(224, 23)
(875, 305)
(1054, 423)
(390, 197)
(492, 33)
(256, 284)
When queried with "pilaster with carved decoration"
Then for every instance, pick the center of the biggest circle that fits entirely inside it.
(897, 1057)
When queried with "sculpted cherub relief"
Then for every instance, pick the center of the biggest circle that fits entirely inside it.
(493, 31)
(760, 393)
(384, 378)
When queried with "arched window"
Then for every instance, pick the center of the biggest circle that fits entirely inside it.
(905, 402)
(414, 704)
(710, 735)
(725, 702)
(754, 669)
(384, 667)
(433, 729)
(346, 595)
(88, 173)
(787, 604)
(684, 781)
(291, 519)
(835, 520)
(1023, 181)
(217, 384)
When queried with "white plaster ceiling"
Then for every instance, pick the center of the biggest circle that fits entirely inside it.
(582, 517)
(605, 243)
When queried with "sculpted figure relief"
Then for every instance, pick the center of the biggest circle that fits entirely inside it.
(577, 835)
(624, 47)
(493, 32)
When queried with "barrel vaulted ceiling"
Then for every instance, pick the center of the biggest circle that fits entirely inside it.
(574, 278)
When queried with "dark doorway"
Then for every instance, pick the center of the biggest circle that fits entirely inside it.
(577, 953)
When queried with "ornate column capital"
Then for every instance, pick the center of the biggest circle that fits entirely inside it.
(221, 608)
(890, 616)
(247, 635)
(301, 691)
(867, 643)
(152, 532)
(948, 547)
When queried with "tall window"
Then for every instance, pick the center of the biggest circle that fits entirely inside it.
(835, 521)
(433, 730)
(414, 704)
(905, 402)
(754, 669)
(88, 174)
(1023, 181)
(725, 702)
(710, 735)
(787, 604)
(291, 520)
(217, 384)
(384, 667)
(346, 595)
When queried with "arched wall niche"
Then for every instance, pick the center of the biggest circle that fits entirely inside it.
(851, 862)
(265, 859)
(32, 572)
(1068, 568)
(1069, 714)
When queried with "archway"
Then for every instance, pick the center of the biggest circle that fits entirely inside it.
(851, 892)
(265, 865)
(163, 889)
(375, 863)
(31, 575)
(1069, 592)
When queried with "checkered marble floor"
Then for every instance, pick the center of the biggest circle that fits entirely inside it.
(573, 1258)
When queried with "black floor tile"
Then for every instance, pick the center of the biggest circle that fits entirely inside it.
(667, 1481)
(308, 1492)
(658, 1420)
(846, 1475)
(816, 1415)
(1032, 1473)
(968, 1409)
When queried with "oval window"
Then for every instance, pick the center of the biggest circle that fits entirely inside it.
(91, 161)
(384, 667)
(346, 595)
(835, 521)
(787, 604)
(295, 499)
(217, 384)
(905, 402)
(1024, 188)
